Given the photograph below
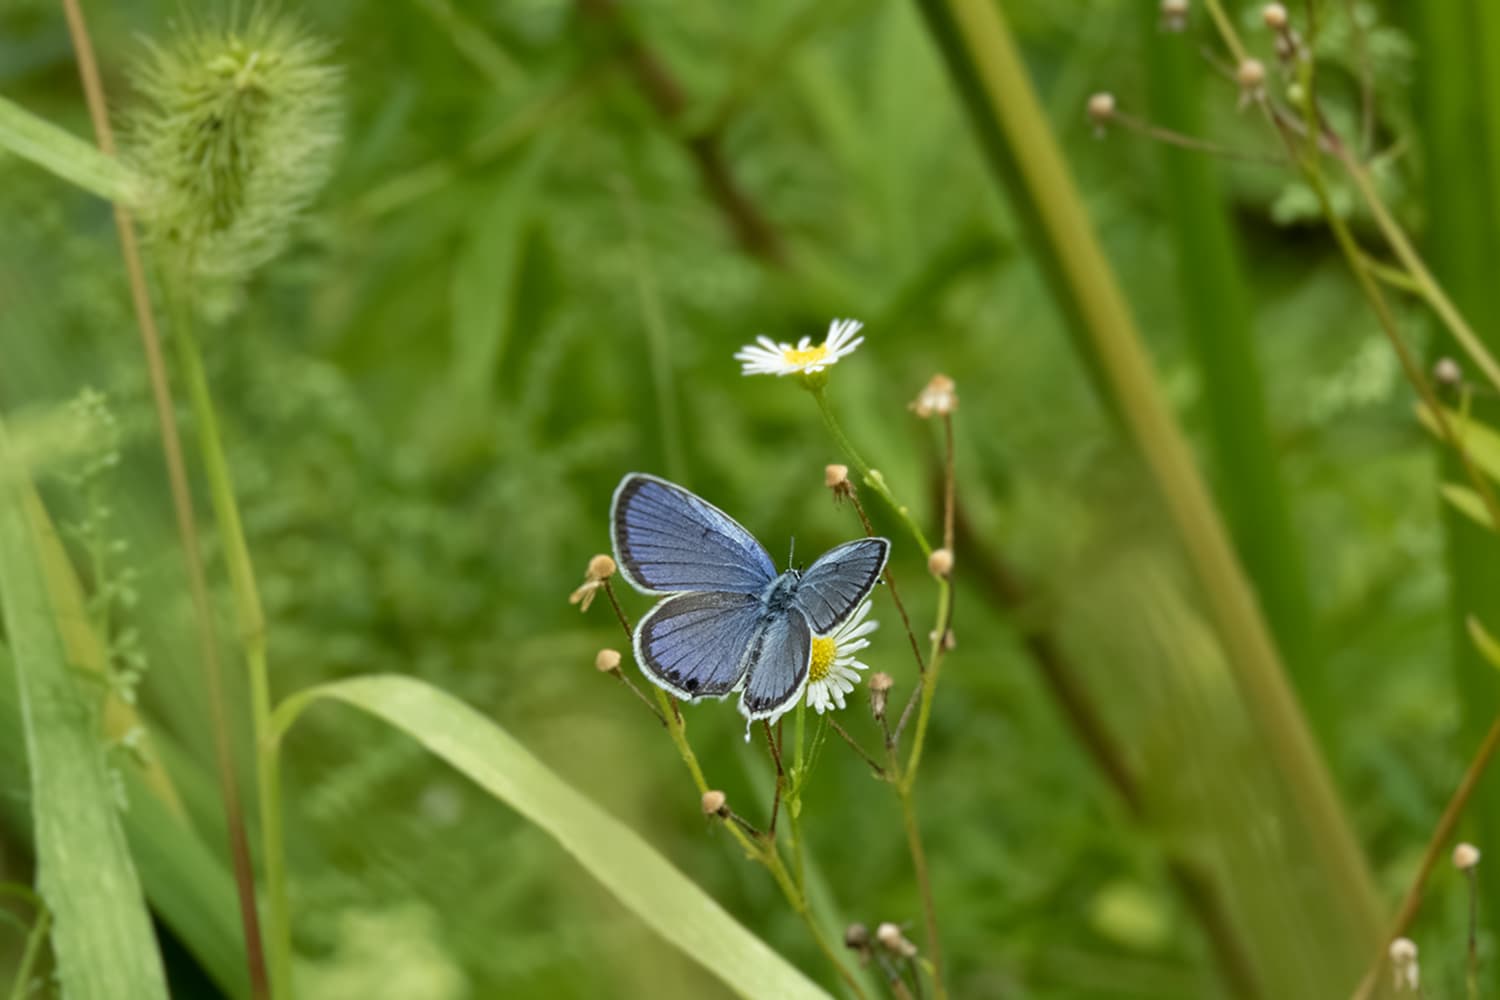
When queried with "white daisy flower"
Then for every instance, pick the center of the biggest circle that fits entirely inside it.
(834, 671)
(767, 357)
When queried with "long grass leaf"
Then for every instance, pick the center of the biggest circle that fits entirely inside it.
(102, 936)
(631, 869)
(1216, 319)
(1459, 165)
(989, 73)
(66, 155)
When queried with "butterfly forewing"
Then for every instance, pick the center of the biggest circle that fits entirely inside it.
(695, 645)
(668, 540)
(833, 586)
(776, 666)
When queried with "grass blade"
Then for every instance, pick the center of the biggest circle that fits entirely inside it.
(102, 938)
(975, 42)
(66, 155)
(614, 854)
(1216, 319)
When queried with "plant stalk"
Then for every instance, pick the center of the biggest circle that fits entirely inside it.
(250, 619)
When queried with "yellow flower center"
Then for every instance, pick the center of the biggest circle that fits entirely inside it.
(823, 651)
(808, 356)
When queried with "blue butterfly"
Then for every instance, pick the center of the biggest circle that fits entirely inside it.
(729, 622)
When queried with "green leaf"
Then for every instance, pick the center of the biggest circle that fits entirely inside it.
(1467, 501)
(66, 155)
(613, 853)
(1487, 645)
(1481, 441)
(102, 937)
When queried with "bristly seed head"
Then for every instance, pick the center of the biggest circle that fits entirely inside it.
(715, 803)
(1465, 857)
(939, 397)
(607, 661)
(835, 476)
(237, 127)
(880, 690)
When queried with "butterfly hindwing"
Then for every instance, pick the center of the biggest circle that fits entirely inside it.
(694, 645)
(776, 665)
(668, 540)
(832, 587)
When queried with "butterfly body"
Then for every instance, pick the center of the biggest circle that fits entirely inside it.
(728, 621)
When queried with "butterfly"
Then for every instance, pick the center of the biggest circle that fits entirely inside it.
(728, 623)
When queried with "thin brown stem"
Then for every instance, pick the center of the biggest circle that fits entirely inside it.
(1472, 971)
(1361, 43)
(924, 887)
(854, 744)
(1174, 138)
(948, 483)
(614, 602)
(1435, 844)
(752, 228)
(772, 742)
(182, 504)
(645, 700)
(890, 582)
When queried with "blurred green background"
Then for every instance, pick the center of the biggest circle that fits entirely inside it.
(519, 286)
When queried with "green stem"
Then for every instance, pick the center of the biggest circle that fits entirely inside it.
(929, 687)
(250, 619)
(924, 884)
(22, 986)
(870, 477)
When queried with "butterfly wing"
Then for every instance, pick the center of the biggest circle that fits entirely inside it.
(694, 645)
(833, 586)
(776, 665)
(668, 540)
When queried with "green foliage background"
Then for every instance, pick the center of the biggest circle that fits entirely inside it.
(516, 288)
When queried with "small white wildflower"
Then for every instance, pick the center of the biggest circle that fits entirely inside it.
(767, 357)
(834, 671)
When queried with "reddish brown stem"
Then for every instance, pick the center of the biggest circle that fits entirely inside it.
(182, 503)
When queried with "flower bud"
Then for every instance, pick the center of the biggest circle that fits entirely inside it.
(1174, 14)
(835, 476)
(1250, 75)
(890, 937)
(1101, 108)
(715, 804)
(856, 936)
(1465, 857)
(607, 661)
(1447, 373)
(880, 690)
(1275, 16)
(938, 397)
(1404, 964)
(601, 567)
(940, 563)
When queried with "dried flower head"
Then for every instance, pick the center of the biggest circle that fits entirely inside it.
(1251, 76)
(1174, 15)
(1447, 373)
(937, 398)
(835, 476)
(1404, 965)
(1101, 108)
(1274, 14)
(940, 563)
(601, 568)
(890, 937)
(715, 803)
(237, 127)
(607, 661)
(880, 691)
(1465, 857)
